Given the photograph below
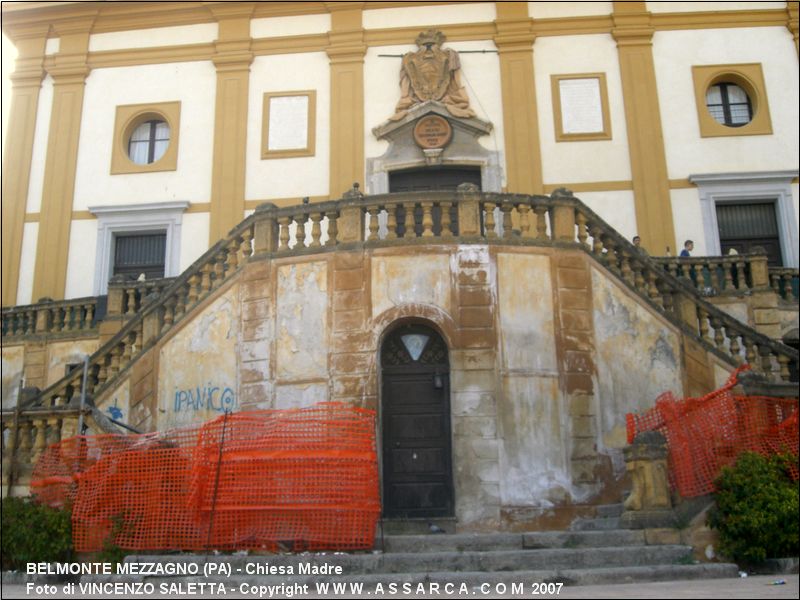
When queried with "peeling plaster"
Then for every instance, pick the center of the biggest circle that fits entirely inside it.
(527, 329)
(411, 279)
(638, 358)
(61, 354)
(197, 371)
(300, 395)
(12, 364)
(302, 321)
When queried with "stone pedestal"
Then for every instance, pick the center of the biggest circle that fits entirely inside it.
(649, 505)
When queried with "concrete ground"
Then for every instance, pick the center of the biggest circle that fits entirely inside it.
(762, 586)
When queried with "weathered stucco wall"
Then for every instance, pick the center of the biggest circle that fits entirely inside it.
(197, 370)
(117, 403)
(302, 334)
(398, 280)
(61, 354)
(12, 361)
(532, 458)
(638, 357)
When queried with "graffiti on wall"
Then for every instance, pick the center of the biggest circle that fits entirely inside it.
(205, 397)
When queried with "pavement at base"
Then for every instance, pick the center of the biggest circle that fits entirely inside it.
(761, 586)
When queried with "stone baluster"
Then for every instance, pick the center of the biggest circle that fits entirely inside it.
(672, 267)
(40, 439)
(205, 279)
(113, 367)
(713, 277)
(58, 319)
(728, 275)
(788, 292)
(447, 225)
(541, 222)
(332, 228)
(506, 208)
(489, 224)
(316, 229)
(102, 371)
(686, 269)
(246, 245)
(652, 289)
(783, 362)
(700, 280)
(427, 219)
(742, 284)
(627, 272)
(611, 258)
(583, 234)
(597, 241)
(702, 316)
(372, 231)
(232, 258)
(131, 301)
(138, 338)
(525, 221)
(30, 322)
(775, 282)
(283, 236)
(391, 221)
(638, 277)
(53, 430)
(169, 312)
(735, 347)
(765, 354)
(219, 271)
(89, 315)
(300, 232)
(409, 220)
(750, 353)
(194, 288)
(719, 335)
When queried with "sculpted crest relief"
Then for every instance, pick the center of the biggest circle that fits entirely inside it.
(432, 73)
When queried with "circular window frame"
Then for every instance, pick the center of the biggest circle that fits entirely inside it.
(750, 78)
(130, 117)
(134, 124)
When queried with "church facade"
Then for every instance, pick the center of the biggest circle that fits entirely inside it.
(423, 208)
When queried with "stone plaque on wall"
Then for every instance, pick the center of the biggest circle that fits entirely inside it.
(432, 132)
(581, 105)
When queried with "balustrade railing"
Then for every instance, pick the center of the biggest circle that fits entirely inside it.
(465, 216)
(784, 282)
(715, 275)
(49, 317)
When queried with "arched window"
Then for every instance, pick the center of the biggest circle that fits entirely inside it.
(729, 104)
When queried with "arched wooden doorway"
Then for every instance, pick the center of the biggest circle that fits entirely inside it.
(417, 448)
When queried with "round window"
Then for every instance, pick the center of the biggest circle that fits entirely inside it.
(729, 104)
(148, 142)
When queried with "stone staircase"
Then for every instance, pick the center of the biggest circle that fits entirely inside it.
(485, 563)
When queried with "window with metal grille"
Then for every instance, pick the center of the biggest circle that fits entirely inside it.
(139, 253)
(745, 226)
(148, 142)
(729, 104)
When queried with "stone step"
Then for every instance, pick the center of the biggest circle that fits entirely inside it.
(475, 581)
(609, 510)
(423, 562)
(415, 526)
(486, 542)
(599, 524)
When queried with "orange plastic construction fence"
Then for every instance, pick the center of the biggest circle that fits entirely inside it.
(705, 434)
(304, 479)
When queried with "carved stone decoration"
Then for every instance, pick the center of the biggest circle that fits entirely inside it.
(649, 504)
(432, 73)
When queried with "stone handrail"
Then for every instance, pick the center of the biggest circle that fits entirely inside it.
(466, 216)
(784, 282)
(714, 275)
(127, 297)
(50, 316)
(154, 319)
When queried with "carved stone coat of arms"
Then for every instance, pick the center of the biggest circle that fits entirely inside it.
(432, 73)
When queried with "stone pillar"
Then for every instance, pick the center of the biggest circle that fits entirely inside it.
(266, 230)
(346, 53)
(469, 209)
(69, 73)
(232, 60)
(649, 504)
(633, 32)
(514, 40)
(26, 82)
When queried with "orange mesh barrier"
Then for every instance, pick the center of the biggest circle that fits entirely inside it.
(705, 434)
(304, 479)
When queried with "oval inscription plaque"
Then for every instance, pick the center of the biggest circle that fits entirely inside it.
(432, 132)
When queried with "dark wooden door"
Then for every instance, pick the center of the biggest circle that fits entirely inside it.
(433, 179)
(417, 472)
